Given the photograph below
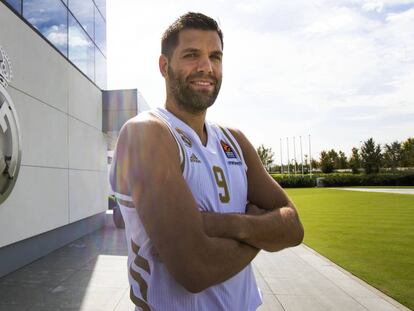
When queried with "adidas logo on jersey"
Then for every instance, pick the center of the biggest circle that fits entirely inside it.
(194, 159)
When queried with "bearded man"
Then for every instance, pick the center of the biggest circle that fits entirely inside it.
(198, 204)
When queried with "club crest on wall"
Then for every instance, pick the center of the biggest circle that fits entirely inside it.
(10, 140)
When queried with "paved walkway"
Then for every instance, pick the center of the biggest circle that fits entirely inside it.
(385, 190)
(90, 275)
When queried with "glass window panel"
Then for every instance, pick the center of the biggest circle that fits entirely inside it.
(81, 48)
(101, 4)
(100, 70)
(83, 11)
(16, 4)
(50, 18)
(100, 32)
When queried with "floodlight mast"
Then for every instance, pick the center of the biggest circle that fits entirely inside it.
(294, 153)
(281, 160)
(310, 157)
(301, 153)
(287, 145)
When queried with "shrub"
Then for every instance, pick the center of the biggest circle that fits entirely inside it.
(346, 180)
(295, 181)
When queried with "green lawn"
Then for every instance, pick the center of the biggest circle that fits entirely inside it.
(369, 234)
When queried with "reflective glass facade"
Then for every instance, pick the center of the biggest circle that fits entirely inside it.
(16, 4)
(77, 28)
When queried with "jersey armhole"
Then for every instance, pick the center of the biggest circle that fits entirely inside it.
(180, 148)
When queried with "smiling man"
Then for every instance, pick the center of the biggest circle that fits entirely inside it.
(197, 203)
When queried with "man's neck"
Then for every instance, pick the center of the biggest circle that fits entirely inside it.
(193, 120)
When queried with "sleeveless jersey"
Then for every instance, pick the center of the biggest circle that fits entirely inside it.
(216, 176)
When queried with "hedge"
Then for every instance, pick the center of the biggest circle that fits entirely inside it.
(344, 180)
(293, 181)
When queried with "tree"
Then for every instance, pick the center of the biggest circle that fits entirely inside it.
(342, 162)
(266, 156)
(371, 156)
(355, 161)
(392, 155)
(407, 152)
(314, 164)
(333, 155)
(326, 162)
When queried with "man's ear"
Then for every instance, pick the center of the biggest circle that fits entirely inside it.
(163, 64)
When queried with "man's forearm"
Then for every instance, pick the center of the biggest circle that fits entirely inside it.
(230, 257)
(219, 259)
(269, 230)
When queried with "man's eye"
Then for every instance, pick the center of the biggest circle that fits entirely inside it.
(190, 55)
(216, 57)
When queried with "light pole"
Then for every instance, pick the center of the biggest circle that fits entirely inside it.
(287, 145)
(301, 154)
(294, 152)
(310, 157)
(281, 159)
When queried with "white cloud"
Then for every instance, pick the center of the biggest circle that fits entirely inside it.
(57, 35)
(77, 39)
(291, 68)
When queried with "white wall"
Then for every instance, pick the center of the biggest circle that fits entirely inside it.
(63, 174)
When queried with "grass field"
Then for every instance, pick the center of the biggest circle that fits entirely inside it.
(369, 234)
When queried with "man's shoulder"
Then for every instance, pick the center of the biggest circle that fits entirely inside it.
(233, 131)
(145, 121)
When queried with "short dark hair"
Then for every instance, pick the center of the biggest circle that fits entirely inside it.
(189, 20)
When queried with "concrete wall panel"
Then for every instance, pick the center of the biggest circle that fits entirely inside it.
(45, 71)
(85, 100)
(87, 147)
(38, 203)
(88, 193)
(44, 132)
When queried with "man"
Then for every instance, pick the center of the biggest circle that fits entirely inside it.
(183, 184)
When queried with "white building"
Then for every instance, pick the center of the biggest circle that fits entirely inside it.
(58, 56)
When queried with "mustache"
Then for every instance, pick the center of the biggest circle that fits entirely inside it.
(201, 75)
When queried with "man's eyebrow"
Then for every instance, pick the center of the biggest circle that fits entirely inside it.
(190, 50)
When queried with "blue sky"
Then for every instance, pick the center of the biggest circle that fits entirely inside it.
(340, 71)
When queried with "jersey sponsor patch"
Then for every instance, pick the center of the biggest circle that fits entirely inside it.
(234, 162)
(184, 137)
(227, 150)
(194, 158)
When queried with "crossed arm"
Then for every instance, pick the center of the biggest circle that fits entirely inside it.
(195, 254)
(271, 221)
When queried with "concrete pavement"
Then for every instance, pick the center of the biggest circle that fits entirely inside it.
(90, 275)
(383, 190)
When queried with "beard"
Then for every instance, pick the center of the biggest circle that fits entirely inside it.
(192, 100)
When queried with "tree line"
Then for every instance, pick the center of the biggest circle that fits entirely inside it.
(370, 158)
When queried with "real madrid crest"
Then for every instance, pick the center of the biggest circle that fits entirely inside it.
(10, 140)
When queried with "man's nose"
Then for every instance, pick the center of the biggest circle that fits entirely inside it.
(204, 65)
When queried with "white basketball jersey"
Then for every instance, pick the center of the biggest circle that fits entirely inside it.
(216, 176)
